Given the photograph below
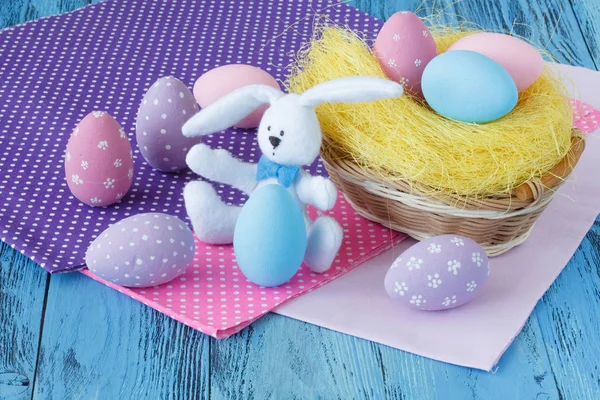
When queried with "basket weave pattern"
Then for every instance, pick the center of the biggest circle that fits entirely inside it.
(497, 223)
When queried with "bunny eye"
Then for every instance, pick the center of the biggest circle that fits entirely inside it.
(281, 133)
(269, 127)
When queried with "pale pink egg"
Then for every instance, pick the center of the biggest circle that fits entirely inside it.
(98, 160)
(404, 46)
(221, 80)
(523, 62)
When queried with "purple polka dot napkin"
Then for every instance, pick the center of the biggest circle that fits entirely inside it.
(104, 57)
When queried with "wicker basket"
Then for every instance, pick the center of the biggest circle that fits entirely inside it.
(498, 223)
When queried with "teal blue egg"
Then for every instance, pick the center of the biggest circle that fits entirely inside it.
(469, 87)
(269, 240)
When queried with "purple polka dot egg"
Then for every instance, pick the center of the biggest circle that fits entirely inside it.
(438, 273)
(142, 250)
(165, 107)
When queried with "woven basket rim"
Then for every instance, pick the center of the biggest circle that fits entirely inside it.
(429, 199)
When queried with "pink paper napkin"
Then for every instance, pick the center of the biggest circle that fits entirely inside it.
(477, 334)
(214, 297)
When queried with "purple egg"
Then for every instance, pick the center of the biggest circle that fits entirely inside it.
(438, 273)
(142, 250)
(165, 107)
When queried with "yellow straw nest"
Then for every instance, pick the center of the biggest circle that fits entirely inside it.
(409, 141)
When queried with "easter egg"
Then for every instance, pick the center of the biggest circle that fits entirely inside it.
(219, 81)
(469, 87)
(523, 62)
(404, 47)
(438, 273)
(165, 107)
(269, 240)
(98, 160)
(142, 250)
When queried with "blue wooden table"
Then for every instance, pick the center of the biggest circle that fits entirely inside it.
(68, 337)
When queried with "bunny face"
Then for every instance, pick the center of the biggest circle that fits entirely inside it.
(289, 133)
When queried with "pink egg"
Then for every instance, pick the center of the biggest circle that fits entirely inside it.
(404, 46)
(221, 80)
(98, 160)
(522, 61)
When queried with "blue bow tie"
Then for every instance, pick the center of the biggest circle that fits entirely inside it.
(269, 169)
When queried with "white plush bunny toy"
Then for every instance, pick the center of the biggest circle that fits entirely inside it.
(289, 137)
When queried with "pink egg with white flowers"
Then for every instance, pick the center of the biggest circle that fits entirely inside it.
(222, 80)
(99, 161)
(404, 46)
(523, 62)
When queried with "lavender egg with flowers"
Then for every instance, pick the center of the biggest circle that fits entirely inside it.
(438, 273)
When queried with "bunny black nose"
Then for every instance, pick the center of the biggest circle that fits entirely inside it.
(275, 141)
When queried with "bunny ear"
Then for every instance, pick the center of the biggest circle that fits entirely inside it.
(229, 109)
(351, 89)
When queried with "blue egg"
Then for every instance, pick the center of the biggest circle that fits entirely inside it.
(468, 86)
(269, 240)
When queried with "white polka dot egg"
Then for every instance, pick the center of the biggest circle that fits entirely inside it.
(165, 107)
(142, 250)
(438, 273)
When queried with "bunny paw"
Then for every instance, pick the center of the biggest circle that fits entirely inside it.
(326, 194)
(201, 159)
(317, 191)
(213, 221)
(324, 241)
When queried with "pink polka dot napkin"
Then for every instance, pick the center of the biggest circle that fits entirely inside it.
(214, 297)
(585, 116)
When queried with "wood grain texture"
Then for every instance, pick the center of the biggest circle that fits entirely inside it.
(22, 291)
(280, 358)
(97, 343)
(569, 315)
(17, 12)
(587, 14)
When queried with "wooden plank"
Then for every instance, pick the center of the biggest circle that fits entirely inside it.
(423, 8)
(282, 358)
(568, 316)
(22, 291)
(15, 12)
(98, 343)
(586, 13)
(384, 9)
(12, 13)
